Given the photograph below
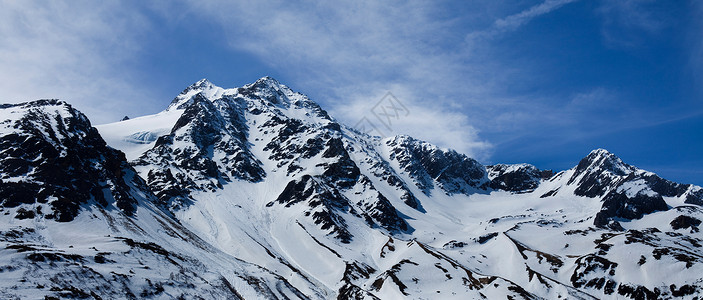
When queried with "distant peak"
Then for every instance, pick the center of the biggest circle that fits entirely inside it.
(510, 167)
(35, 113)
(268, 79)
(409, 141)
(203, 86)
(402, 138)
(601, 152)
(202, 83)
(265, 83)
(604, 160)
(38, 103)
(601, 156)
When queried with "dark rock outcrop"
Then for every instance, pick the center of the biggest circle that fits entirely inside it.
(455, 173)
(53, 156)
(522, 178)
(685, 222)
(620, 205)
(186, 157)
(323, 204)
(598, 172)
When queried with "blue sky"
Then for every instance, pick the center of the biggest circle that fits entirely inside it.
(542, 81)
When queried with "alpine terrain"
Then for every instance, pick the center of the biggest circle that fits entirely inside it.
(257, 193)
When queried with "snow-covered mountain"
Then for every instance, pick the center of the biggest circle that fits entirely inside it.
(78, 222)
(256, 192)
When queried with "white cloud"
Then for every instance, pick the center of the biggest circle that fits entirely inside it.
(349, 53)
(72, 50)
(346, 53)
(439, 125)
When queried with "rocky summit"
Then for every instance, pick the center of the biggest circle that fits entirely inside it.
(257, 192)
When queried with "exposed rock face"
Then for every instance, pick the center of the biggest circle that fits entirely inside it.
(343, 171)
(454, 173)
(380, 167)
(206, 147)
(598, 173)
(323, 203)
(694, 195)
(322, 193)
(210, 146)
(618, 204)
(685, 222)
(628, 192)
(79, 222)
(53, 160)
(521, 178)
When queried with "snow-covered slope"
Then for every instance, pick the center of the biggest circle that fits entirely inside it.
(258, 190)
(77, 222)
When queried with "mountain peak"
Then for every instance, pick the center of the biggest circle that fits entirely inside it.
(53, 158)
(406, 140)
(401, 138)
(426, 163)
(268, 79)
(598, 172)
(601, 151)
(265, 83)
(271, 91)
(344, 215)
(36, 113)
(603, 160)
(203, 86)
(38, 103)
(203, 81)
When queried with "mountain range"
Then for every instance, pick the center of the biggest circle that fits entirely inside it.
(257, 192)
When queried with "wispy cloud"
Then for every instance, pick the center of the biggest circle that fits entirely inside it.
(628, 23)
(347, 54)
(439, 125)
(513, 22)
(73, 50)
(350, 53)
(543, 117)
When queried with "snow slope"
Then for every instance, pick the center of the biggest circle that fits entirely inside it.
(286, 200)
(77, 222)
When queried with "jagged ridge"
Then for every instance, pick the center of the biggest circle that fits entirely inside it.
(262, 174)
